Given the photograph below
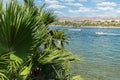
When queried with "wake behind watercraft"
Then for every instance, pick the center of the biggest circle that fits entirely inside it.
(102, 33)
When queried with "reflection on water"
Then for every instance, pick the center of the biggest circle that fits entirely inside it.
(101, 53)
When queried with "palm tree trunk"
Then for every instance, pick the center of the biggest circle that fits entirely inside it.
(58, 44)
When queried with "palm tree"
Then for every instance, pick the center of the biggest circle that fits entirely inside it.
(61, 38)
(23, 35)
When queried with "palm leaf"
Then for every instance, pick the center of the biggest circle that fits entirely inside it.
(47, 17)
(3, 77)
(15, 62)
(29, 3)
(25, 71)
(23, 30)
(56, 57)
(3, 59)
(17, 29)
(1, 6)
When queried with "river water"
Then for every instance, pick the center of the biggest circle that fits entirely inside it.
(99, 48)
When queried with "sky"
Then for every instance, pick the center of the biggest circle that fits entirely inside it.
(82, 8)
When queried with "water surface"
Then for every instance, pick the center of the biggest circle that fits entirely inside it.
(100, 52)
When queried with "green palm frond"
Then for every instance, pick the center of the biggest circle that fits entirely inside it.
(4, 60)
(57, 63)
(3, 65)
(18, 27)
(40, 36)
(25, 71)
(60, 38)
(41, 9)
(3, 76)
(29, 3)
(56, 57)
(60, 35)
(48, 17)
(28, 47)
(1, 6)
(15, 62)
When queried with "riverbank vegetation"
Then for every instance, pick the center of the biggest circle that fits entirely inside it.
(88, 23)
(28, 49)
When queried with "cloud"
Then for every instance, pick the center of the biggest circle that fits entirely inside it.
(68, 0)
(105, 8)
(75, 4)
(80, 10)
(51, 1)
(82, 0)
(107, 4)
(98, 0)
(84, 9)
(59, 13)
(99, 8)
(107, 15)
(56, 6)
(118, 10)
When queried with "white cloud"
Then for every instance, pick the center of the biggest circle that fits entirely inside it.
(107, 4)
(105, 8)
(98, 0)
(52, 1)
(100, 8)
(80, 10)
(118, 10)
(82, 0)
(107, 15)
(69, 0)
(58, 13)
(84, 9)
(75, 4)
(72, 11)
(56, 6)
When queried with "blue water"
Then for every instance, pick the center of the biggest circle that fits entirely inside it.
(100, 52)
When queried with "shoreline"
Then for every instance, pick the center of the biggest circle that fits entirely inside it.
(85, 26)
(100, 27)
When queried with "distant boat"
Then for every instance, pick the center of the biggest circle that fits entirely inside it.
(74, 29)
(102, 33)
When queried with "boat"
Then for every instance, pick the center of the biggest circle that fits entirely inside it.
(100, 33)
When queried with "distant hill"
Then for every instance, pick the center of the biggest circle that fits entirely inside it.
(83, 22)
(88, 18)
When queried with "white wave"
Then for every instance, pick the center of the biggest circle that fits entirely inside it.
(102, 33)
(74, 29)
